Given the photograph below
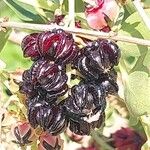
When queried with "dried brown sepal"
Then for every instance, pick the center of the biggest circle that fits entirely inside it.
(117, 103)
(4, 19)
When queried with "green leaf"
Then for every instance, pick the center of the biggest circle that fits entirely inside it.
(130, 7)
(13, 57)
(137, 93)
(117, 23)
(6, 11)
(134, 27)
(137, 82)
(42, 4)
(24, 11)
(79, 6)
(4, 37)
(147, 3)
(49, 5)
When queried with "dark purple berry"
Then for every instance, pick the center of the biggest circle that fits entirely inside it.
(111, 50)
(104, 54)
(44, 78)
(82, 127)
(85, 105)
(86, 69)
(50, 77)
(108, 82)
(110, 86)
(51, 118)
(26, 86)
(97, 58)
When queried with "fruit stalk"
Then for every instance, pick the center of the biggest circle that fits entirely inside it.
(101, 142)
(80, 32)
(71, 12)
(138, 6)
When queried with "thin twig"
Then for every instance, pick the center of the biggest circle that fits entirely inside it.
(146, 19)
(17, 37)
(71, 12)
(101, 142)
(81, 32)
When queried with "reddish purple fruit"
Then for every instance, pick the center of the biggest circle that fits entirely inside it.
(30, 47)
(127, 138)
(49, 142)
(22, 133)
(56, 45)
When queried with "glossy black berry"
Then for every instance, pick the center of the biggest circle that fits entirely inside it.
(85, 105)
(109, 82)
(51, 118)
(26, 86)
(97, 58)
(50, 77)
(45, 78)
(82, 127)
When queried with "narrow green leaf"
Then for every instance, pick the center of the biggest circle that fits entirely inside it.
(42, 4)
(130, 7)
(48, 5)
(79, 6)
(117, 23)
(24, 11)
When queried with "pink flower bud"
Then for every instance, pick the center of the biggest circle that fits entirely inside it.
(96, 15)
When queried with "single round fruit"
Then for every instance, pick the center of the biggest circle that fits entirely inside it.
(85, 106)
(51, 118)
(56, 45)
(97, 58)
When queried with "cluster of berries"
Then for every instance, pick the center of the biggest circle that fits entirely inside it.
(45, 83)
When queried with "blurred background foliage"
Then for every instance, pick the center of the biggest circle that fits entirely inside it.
(136, 58)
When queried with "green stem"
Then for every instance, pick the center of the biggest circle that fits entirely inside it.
(142, 13)
(145, 121)
(34, 145)
(123, 70)
(71, 13)
(103, 145)
(80, 32)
